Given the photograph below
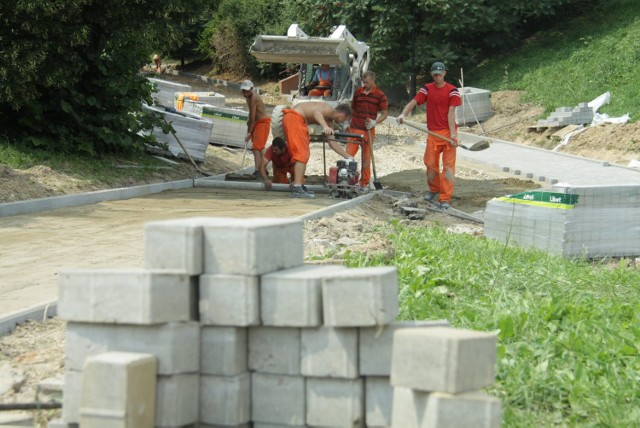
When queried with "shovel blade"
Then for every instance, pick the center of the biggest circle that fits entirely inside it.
(480, 145)
(377, 185)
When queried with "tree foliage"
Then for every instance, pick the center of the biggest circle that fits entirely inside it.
(69, 70)
(410, 35)
(228, 36)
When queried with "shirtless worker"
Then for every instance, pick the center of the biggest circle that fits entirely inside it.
(258, 123)
(278, 154)
(295, 123)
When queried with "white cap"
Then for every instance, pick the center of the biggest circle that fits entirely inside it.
(246, 85)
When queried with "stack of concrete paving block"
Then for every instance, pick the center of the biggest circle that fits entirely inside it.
(230, 125)
(476, 106)
(437, 374)
(277, 343)
(193, 132)
(572, 221)
(166, 91)
(564, 116)
(134, 310)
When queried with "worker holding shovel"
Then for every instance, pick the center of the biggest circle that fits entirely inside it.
(367, 102)
(258, 123)
(441, 100)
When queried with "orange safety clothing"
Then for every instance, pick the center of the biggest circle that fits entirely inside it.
(352, 149)
(442, 182)
(324, 82)
(281, 164)
(260, 133)
(296, 133)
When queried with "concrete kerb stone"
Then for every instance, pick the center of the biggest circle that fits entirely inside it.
(38, 312)
(55, 202)
(342, 206)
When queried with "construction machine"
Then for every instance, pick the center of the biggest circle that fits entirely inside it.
(348, 57)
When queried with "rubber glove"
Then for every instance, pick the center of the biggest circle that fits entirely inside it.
(400, 119)
(370, 123)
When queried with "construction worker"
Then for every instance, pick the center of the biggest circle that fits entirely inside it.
(258, 123)
(295, 123)
(158, 62)
(441, 98)
(321, 82)
(278, 154)
(367, 102)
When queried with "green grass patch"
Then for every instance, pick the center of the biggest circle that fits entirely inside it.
(569, 331)
(104, 169)
(575, 62)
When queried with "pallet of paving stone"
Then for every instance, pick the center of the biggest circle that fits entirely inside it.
(192, 131)
(230, 125)
(165, 91)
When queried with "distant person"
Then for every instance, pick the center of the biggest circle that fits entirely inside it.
(441, 98)
(158, 63)
(278, 155)
(367, 102)
(295, 122)
(322, 82)
(258, 123)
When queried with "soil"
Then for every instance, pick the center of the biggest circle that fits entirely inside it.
(36, 350)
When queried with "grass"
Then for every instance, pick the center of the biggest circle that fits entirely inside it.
(575, 62)
(569, 330)
(106, 170)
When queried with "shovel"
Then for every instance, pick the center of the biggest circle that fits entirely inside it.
(475, 147)
(376, 182)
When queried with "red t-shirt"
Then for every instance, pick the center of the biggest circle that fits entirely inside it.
(281, 161)
(366, 106)
(438, 102)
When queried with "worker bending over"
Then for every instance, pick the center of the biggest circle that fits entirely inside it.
(282, 165)
(295, 122)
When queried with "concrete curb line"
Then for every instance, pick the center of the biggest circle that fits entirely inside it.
(342, 206)
(54, 202)
(38, 312)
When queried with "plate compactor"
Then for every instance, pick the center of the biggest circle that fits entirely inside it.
(344, 178)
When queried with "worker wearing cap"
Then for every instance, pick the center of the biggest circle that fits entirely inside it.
(278, 155)
(441, 100)
(322, 82)
(367, 102)
(258, 123)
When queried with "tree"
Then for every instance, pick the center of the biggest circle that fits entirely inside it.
(69, 76)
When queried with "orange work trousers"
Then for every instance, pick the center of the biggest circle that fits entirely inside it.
(280, 175)
(440, 181)
(352, 149)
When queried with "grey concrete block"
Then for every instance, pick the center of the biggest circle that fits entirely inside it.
(225, 400)
(223, 351)
(244, 246)
(443, 359)
(119, 390)
(473, 409)
(262, 425)
(335, 402)
(378, 401)
(409, 408)
(274, 350)
(176, 345)
(125, 296)
(360, 297)
(175, 245)
(278, 399)
(177, 398)
(71, 396)
(330, 352)
(375, 345)
(293, 297)
(229, 300)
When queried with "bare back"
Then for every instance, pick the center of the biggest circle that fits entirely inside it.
(312, 109)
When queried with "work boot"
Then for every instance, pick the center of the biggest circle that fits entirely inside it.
(307, 190)
(430, 196)
(444, 205)
(299, 192)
